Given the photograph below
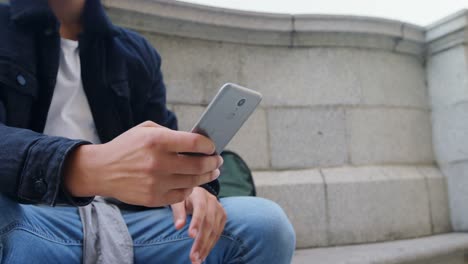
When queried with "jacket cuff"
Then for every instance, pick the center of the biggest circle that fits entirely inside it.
(212, 187)
(42, 174)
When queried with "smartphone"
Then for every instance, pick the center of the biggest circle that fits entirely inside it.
(225, 115)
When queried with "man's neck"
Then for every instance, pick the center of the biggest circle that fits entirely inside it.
(70, 30)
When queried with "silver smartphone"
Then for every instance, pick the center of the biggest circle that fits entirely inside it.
(226, 114)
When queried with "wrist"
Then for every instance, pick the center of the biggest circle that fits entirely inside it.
(80, 171)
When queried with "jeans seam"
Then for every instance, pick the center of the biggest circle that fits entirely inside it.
(22, 227)
(160, 241)
(241, 244)
(227, 235)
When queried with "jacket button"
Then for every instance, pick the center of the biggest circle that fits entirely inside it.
(40, 186)
(21, 80)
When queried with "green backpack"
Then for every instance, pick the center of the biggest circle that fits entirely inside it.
(236, 177)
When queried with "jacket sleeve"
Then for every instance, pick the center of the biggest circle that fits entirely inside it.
(32, 164)
(156, 109)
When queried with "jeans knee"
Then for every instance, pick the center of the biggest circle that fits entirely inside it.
(262, 224)
(273, 223)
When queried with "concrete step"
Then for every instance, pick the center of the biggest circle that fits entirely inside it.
(357, 205)
(450, 248)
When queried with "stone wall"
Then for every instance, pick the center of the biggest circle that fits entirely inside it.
(447, 72)
(325, 104)
(343, 137)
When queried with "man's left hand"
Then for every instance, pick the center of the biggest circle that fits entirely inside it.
(207, 225)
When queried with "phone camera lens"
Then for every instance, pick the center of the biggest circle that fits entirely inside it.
(241, 102)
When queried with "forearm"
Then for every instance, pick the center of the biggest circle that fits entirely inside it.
(80, 172)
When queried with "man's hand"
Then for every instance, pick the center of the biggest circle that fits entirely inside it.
(142, 166)
(207, 225)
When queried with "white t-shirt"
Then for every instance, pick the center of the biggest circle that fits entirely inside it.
(70, 116)
(69, 113)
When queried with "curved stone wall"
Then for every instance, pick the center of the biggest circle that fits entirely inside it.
(324, 104)
(343, 137)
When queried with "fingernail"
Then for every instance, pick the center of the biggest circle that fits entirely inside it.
(221, 161)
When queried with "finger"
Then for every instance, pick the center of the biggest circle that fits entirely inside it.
(211, 237)
(179, 141)
(220, 229)
(202, 242)
(209, 244)
(179, 214)
(184, 164)
(198, 216)
(195, 254)
(179, 181)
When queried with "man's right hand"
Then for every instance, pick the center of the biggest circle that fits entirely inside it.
(143, 166)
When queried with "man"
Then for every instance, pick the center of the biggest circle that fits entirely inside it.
(83, 116)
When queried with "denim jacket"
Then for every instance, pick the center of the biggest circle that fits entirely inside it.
(122, 79)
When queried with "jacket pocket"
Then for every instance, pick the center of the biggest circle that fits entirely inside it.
(16, 79)
(18, 91)
(121, 98)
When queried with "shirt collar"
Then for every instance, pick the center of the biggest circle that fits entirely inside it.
(37, 14)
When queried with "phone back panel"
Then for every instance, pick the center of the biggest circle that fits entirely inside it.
(226, 114)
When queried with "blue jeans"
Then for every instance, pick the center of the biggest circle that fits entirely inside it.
(257, 231)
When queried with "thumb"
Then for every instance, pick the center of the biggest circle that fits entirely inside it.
(179, 214)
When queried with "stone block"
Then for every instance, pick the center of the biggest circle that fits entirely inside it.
(251, 142)
(305, 138)
(438, 199)
(451, 133)
(457, 178)
(447, 75)
(302, 77)
(192, 67)
(391, 79)
(301, 195)
(187, 115)
(369, 204)
(389, 136)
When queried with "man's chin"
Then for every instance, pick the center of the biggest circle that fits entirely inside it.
(67, 11)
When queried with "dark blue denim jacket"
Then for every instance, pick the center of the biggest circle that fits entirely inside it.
(122, 79)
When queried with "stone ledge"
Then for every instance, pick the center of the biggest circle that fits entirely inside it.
(441, 249)
(447, 33)
(219, 24)
(450, 24)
